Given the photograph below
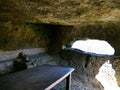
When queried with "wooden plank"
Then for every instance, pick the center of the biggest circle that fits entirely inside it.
(43, 77)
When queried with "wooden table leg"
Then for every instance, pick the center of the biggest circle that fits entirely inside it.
(68, 82)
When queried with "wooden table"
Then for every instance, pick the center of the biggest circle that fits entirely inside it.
(44, 77)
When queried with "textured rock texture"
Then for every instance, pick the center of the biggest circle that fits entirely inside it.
(7, 58)
(86, 67)
(59, 11)
(20, 27)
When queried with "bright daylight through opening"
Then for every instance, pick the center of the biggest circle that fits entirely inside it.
(106, 74)
(94, 46)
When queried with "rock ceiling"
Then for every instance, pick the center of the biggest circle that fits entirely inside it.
(68, 12)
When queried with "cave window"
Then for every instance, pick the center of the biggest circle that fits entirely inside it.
(106, 76)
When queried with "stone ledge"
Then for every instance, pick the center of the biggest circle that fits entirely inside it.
(9, 55)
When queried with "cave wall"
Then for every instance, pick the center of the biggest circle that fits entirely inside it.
(14, 35)
(17, 35)
(108, 31)
(55, 36)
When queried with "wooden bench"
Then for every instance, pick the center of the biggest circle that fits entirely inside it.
(44, 77)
